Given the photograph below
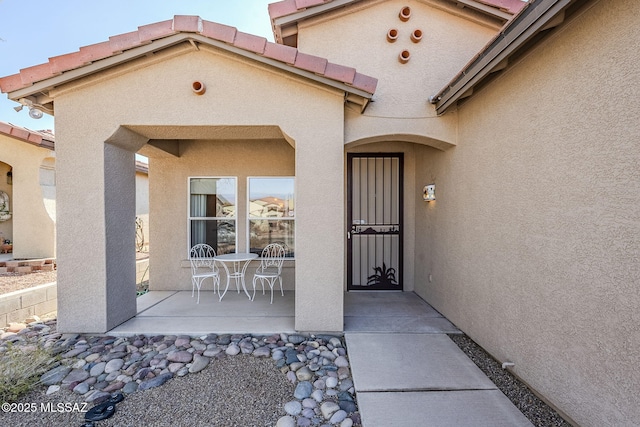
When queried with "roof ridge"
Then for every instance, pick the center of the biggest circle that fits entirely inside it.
(146, 34)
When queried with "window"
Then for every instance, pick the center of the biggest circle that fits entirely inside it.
(212, 213)
(271, 213)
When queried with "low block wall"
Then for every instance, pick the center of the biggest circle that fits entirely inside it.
(27, 265)
(142, 270)
(19, 305)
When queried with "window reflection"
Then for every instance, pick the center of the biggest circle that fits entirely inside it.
(212, 211)
(271, 213)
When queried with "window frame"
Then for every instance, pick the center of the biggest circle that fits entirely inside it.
(248, 209)
(217, 218)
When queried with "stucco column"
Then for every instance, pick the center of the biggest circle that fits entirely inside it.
(120, 216)
(320, 231)
(96, 252)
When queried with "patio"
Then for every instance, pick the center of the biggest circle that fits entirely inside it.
(176, 312)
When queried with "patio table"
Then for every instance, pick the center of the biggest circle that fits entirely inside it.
(238, 263)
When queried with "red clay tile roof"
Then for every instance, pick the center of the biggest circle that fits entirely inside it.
(188, 24)
(511, 6)
(289, 7)
(41, 138)
(46, 139)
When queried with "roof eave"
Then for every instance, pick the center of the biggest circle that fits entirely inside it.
(38, 138)
(44, 86)
(288, 23)
(313, 11)
(352, 94)
(485, 8)
(533, 18)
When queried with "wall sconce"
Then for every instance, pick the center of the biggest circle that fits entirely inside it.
(35, 113)
(429, 193)
(10, 177)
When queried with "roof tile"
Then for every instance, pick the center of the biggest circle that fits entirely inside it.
(125, 41)
(221, 32)
(67, 62)
(281, 52)
(340, 72)
(186, 23)
(5, 128)
(11, 83)
(35, 138)
(36, 73)
(511, 6)
(20, 133)
(303, 4)
(312, 63)
(250, 42)
(282, 8)
(365, 83)
(155, 31)
(95, 52)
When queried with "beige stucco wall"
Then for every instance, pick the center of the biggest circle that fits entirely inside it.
(31, 227)
(357, 37)
(153, 96)
(534, 240)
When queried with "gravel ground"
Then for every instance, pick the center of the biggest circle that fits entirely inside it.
(234, 391)
(10, 282)
(539, 413)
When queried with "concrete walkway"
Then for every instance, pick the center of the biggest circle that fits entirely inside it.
(407, 372)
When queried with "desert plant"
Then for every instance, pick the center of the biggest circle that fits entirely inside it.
(21, 368)
(382, 276)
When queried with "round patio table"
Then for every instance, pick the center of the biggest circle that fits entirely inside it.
(238, 263)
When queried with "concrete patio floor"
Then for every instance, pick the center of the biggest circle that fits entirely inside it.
(176, 313)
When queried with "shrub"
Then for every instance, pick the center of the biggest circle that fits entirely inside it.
(21, 368)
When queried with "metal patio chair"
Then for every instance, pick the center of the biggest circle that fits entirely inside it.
(270, 268)
(203, 266)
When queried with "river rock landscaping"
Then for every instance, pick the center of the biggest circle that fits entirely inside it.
(91, 368)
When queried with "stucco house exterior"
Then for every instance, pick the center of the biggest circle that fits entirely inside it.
(27, 178)
(522, 114)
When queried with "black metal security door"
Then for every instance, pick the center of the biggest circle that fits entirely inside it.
(374, 218)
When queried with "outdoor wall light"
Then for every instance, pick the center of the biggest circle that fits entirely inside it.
(10, 177)
(429, 193)
(35, 113)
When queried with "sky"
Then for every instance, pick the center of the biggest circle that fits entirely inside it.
(33, 31)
